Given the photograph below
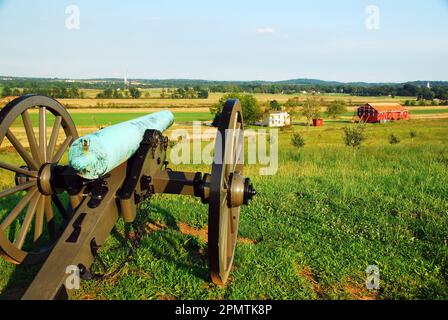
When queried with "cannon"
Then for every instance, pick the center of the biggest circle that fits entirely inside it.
(63, 213)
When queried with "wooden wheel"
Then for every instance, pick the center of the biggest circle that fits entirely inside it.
(29, 230)
(228, 191)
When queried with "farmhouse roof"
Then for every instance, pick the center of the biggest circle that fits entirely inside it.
(387, 106)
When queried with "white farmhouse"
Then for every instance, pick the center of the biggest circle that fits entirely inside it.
(276, 119)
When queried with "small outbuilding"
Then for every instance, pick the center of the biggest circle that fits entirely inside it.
(276, 119)
(318, 122)
(382, 112)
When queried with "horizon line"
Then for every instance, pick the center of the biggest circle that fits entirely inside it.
(208, 80)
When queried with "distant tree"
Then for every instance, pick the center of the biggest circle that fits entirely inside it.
(135, 93)
(311, 108)
(426, 94)
(117, 94)
(297, 140)
(441, 93)
(107, 93)
(250, 107)
(407, 90)
(16, 92)
(354, 135)
(337, 108)
(275, 105)
(6, 91)
(293, 106)
(203, 94)
(393, 139)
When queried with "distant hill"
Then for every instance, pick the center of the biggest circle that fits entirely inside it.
(199, 82)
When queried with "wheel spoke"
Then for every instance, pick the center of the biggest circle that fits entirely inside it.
(43, 134)
(232, 226)
(17, 209)
(237, 157)
(21, 150)
(57, 157)
(39, 222)
(18, 188)
(27, 221)
(49, 215)
(54, 137)
(31, 136)
(223, 227)
(16, 169)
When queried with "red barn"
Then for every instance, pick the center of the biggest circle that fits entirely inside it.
(382, 112)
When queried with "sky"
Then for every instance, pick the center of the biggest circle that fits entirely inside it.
(346, 40)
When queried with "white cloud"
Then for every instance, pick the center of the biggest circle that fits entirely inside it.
(266, 30)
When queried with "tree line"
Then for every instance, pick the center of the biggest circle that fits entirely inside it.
(405, 90)
(55, 92)
(200, 90)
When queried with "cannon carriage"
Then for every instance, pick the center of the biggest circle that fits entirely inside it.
(102, 187)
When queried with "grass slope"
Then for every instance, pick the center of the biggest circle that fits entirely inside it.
(314, 227)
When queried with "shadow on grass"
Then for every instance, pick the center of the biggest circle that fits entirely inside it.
(18, 283)
(173, 244)
(22, 275)
(172, 249)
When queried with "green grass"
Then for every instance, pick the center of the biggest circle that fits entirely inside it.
(428, 111)
(327, 214)
(106, 119)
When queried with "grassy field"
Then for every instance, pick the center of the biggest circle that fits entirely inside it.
(311, 231)
(106, 119)
(155, 101)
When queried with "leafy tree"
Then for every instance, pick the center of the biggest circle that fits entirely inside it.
(108, 93)
(354, 135)
(426, 94)
(311, 108)
(135, 93)
(297, 140)
(275, 105)
(393, 139)
(337, 108)
(250, 107)
(202, 94)
(6, 91)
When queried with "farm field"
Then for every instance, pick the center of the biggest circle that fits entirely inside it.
(213, 98)
(311, 231)
(155, 101)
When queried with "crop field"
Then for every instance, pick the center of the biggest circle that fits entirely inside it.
(155, 101)
(310, 233)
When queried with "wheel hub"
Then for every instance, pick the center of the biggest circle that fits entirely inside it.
(240, 190)
(44, 179)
